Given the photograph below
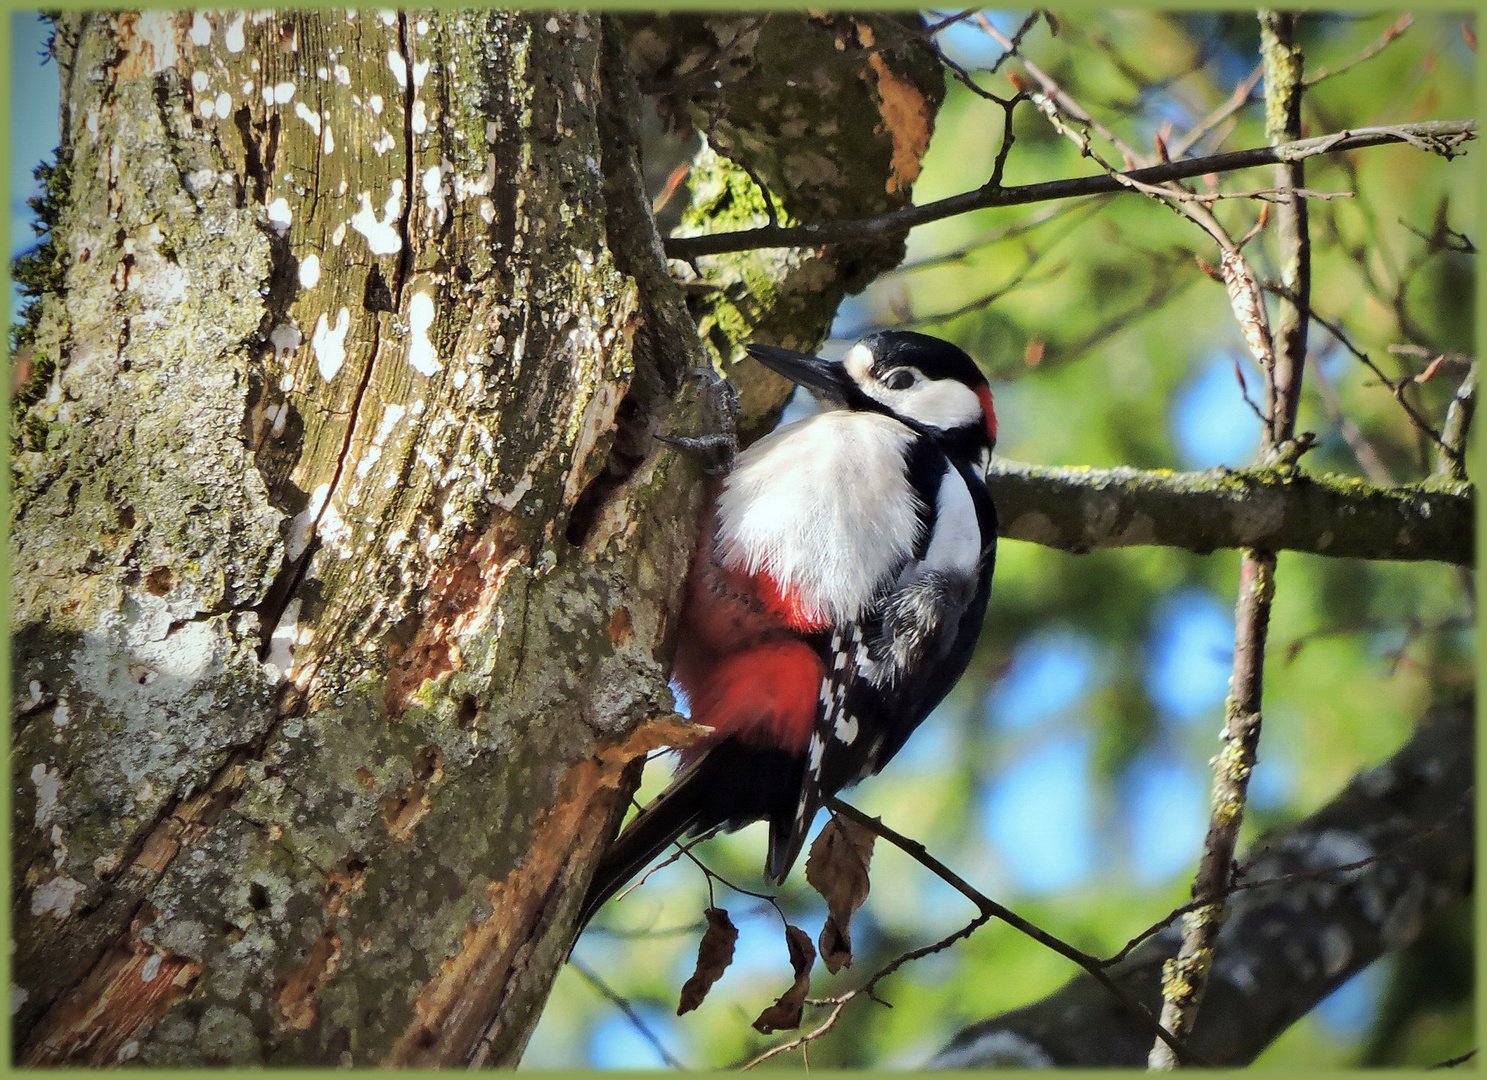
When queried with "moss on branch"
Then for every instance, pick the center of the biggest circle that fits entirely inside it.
(1079, 509)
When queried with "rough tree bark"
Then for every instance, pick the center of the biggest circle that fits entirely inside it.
(344, 554)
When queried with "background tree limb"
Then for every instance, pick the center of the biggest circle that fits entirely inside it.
(1077, 509)
(1286, 945)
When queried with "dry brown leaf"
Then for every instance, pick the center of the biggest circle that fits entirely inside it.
(784, 1014)
(838, 869)
(714, 954)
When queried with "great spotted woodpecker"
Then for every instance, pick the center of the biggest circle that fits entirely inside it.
(838, 589)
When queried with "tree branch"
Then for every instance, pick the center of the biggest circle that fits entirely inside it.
(1437, 136)
(1078, 510)
(1185, 978)
(988, 909)
(1288, 944)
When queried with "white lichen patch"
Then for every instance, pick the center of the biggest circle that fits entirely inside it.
(157, 28)
(420, 119)
(223, 103)
(399, 68)
(302, 525)
(382, 236)
(375, 103)
(482, 185)
(56, 898)
(201, 30)
(391, 416)
(421, 355)
(329, 343)
(200, 80)
(433, 195)
(420, 72)
(328, 142)
(309, 271)
(383, 143)
(61, 715)
(281, 641)
(338, 237)
(280, 216)
(48, 784)
(388, 16)
(283, 93)
(234, 39)
(308, 115)
(342, 74)
(285, 338)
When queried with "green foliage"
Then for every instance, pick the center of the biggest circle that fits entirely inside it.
(1100, 318)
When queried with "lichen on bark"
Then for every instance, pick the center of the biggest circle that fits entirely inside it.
(346, 562)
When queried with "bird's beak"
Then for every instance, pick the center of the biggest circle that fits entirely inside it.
(825, 377)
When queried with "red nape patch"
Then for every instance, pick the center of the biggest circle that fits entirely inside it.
(984, 393)
(766, 695)
(788, 605)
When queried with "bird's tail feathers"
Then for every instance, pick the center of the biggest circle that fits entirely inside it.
(677, 810)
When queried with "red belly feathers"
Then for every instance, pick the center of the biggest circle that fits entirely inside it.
(742, 661)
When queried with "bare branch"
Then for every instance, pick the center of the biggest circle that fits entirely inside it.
(991, 909)
(623, 1004)
(1223, 112)
(1079, 510)
(1185, 977)
(1442, 137)
(1396, 28)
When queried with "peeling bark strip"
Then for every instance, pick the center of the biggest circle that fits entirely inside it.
(123, 998)
(1078, 510)
(339, 533)
(466, 1011)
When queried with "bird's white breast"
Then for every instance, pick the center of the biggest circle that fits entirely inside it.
(825, 507)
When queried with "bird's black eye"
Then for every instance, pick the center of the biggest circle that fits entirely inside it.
(898, 379)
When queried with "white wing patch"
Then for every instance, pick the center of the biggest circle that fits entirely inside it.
(845, 728)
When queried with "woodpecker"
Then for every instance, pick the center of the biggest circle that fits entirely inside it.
(840, 581)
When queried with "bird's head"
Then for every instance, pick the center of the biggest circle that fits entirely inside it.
(928, 384)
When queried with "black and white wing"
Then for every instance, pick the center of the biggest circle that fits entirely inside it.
(886, 671)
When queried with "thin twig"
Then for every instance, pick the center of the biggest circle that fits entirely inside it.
(991, 909)
(1396, 387)
(620, 1002)
(1451, 1063)
(1363, 450)
(1441, 136)
(1283, 879)
(1185, 976)
(1223, 112)
(1399, 26)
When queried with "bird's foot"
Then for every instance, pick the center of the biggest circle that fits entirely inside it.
(717, 447)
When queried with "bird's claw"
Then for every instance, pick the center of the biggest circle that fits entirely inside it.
(719, 411)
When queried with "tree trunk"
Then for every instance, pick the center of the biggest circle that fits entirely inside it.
(344, 556)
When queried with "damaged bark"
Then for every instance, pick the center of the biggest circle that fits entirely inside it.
(345, 559)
